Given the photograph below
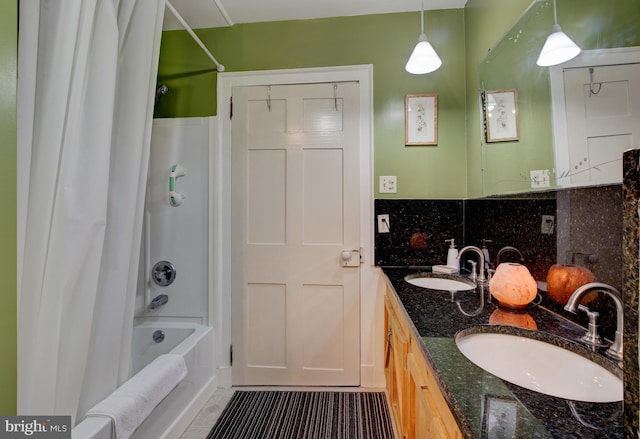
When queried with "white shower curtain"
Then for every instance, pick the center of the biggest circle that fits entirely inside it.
(86, 89)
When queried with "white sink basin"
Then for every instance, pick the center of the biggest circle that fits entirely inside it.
(435, 282)
(542, 367)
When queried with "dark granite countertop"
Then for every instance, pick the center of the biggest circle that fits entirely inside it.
(477, 398)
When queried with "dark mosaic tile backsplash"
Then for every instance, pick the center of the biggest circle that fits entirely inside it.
(428, 222)
(587, 230)
(515, 223)
(590, 231)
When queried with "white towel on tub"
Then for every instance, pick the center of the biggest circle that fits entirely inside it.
(130, 404)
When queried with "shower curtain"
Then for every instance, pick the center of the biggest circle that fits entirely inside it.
(86, 88)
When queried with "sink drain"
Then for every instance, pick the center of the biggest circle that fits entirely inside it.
(158, 336)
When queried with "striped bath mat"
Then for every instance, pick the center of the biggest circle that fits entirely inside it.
(304, 415)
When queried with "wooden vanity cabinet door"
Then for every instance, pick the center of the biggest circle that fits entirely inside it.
(396, 349)
(431, 417)
(418, 407)
(420, 413)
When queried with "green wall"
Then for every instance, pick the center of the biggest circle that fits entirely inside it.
(385, 41)
(8, 176)
(461, 165)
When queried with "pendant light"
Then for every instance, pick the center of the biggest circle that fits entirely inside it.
(558, 48)
(423, 59)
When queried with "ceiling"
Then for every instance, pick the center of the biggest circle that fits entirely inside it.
(221, 13)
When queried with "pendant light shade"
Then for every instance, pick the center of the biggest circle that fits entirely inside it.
(558, 47)
(424, 58)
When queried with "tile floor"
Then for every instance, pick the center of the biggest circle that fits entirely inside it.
(204, 421)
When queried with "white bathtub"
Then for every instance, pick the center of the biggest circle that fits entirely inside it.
(173, 415)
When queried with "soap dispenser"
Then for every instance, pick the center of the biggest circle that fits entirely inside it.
(452, 256)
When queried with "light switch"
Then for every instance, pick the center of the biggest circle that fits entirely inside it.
(388, 184)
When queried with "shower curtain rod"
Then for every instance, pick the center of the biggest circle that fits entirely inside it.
(184, 24)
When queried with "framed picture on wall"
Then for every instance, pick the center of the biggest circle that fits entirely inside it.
(421, 119)
(501, 115)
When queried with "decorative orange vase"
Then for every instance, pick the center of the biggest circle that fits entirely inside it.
(563, 280)
(513, 286)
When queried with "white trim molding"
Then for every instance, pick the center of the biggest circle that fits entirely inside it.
(371, 365)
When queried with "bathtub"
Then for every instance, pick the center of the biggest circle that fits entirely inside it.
(173, 415)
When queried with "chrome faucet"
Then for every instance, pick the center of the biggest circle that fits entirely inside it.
(481, 277)
(474, 276)
(159, 301)
(507, 249)
(615, 350)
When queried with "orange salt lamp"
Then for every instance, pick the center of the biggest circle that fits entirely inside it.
(512, 318)
(563, 280)
(513, 286)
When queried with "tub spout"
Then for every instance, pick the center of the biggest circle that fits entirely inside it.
(159, 301)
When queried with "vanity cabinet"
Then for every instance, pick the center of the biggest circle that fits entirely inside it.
(418, 408)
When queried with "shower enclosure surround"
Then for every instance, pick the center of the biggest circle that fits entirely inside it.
(176, 234)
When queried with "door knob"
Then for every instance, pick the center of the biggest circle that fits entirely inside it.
(350, 258)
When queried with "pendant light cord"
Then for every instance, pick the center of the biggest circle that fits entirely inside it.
(555, 15)
(422, 19)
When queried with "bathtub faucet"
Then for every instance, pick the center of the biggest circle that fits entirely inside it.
(159, 301)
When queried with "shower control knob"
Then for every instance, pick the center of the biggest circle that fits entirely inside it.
(163, 273)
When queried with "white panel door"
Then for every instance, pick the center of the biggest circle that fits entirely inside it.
(603, 110)
(295, 210)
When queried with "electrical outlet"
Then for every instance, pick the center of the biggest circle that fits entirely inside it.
(548, 224)
(540, 178)
(383, 223)
(388, 184)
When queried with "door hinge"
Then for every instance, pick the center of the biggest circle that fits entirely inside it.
(230, 355)
(231, 108)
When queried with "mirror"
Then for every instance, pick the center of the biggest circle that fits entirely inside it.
(511, 64)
